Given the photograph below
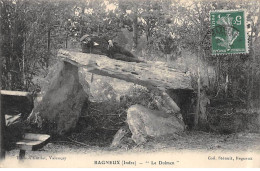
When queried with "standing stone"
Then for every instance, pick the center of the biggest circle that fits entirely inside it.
(60, 107)
(144, 122)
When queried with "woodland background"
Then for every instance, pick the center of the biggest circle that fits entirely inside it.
(174, 31)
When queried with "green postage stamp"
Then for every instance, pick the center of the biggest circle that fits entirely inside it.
(229, 32)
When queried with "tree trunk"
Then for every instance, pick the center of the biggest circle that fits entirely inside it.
(250, 79)
(135, 29)
(197, 113)
(98, 29)
(196, 118)
(23, 67)
(217, 73)
(2, 118)
(148, 31)
(48, 47)
(252, 75)
(200, 119)
(66, 41)
(48, 39)
(6, 44)
(248, 87)
(17, 40)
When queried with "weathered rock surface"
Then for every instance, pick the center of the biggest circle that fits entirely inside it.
(102, 88)
(61, 104)
(144, 122)
(121, 139)
(153, 75)
(97, 78)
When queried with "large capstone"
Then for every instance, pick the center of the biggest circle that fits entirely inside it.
(144, 123)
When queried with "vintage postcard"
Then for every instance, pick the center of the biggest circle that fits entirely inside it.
(130, 84)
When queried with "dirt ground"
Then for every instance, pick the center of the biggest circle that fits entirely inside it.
(192, 141)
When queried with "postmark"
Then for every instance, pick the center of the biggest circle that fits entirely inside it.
(229, 32)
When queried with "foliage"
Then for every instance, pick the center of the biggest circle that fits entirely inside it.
(112, 115)
(33, 31)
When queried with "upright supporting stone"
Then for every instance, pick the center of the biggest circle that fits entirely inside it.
(61, 105)
(144, 122)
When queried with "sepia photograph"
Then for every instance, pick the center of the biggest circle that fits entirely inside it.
(129, 84)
